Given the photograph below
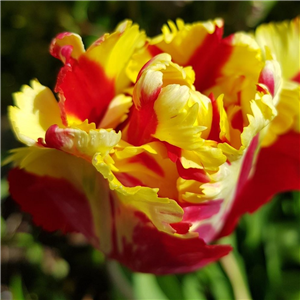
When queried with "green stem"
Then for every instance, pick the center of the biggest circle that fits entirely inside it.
(235, 275)
(119, 279)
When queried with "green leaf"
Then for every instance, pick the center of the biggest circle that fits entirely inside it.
(3, 227)
(23, 239)
(4, 188)
(171, 286)
(16, 288)
(35, 253)
(191, 288)
(146, 287)
(61, 269)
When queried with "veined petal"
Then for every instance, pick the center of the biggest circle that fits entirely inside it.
(35, 111)
(224, 186)
(271, 77)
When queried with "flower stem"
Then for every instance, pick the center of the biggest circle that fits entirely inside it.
(119, 279)
(236, 277)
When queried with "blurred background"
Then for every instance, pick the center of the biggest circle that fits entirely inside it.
(39, 265)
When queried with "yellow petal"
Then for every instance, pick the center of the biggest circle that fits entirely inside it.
(282, 39)
(288, 110)
(116, 112)
(113, 52)
(177, 116)
(35, 111)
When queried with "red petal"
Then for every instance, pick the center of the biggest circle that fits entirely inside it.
(201, 211)
(142, 124)
(209, 58)
(215, 126)
(54, 203)
(267, 77)
(296, 78)
(156, 252)
(237, 121)
(174, 152)
(277, 170)
(154, 50)
(149, 162)
(192, 173)
(85, 90)
(196, 213)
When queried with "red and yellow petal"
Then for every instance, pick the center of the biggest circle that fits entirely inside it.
(90, 80)
(176, 37)
(159, 253)
(281, 40)
(80, 143)
(166, 106)
(62, 192)
(277, 170)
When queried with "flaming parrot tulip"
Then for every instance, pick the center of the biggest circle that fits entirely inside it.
(156, 147)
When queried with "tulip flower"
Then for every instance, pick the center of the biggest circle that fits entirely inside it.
(157, 147)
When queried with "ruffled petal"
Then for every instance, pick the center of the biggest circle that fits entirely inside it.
(35, 111)
(81, 143)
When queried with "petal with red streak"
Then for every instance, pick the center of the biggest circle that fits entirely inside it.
(277, 170)
(156, 252)
(54, 203)
(84, 89)
(62, 192)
